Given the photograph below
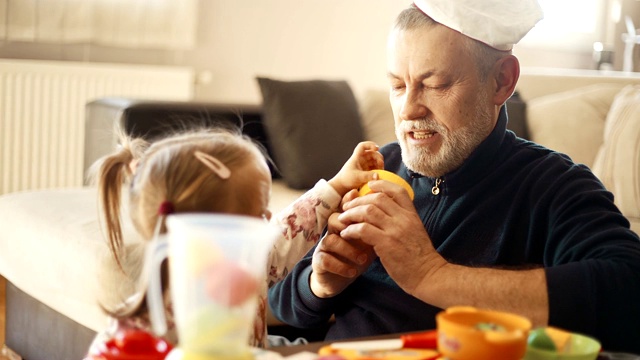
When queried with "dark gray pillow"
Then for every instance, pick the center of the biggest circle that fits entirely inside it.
(313, 127)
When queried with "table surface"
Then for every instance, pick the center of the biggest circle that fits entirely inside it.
(294, 349)
(315, 346)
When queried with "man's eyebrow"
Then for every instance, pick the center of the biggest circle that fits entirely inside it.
(420, 77)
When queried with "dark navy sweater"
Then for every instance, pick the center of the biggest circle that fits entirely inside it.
(513, 204)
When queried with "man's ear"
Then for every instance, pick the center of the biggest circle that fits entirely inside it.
(507, 72)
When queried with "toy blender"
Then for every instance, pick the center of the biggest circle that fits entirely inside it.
(217, 264)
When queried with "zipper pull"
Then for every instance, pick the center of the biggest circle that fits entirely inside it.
(435, 190)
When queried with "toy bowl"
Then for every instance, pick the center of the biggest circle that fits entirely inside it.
(391, 177)
(577, 347)
(471, 333)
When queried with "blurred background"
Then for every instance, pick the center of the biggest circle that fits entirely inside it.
(229, 42)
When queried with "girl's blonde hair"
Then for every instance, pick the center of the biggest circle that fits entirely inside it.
(168, 172)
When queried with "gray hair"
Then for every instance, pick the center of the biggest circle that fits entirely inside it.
(485, 56)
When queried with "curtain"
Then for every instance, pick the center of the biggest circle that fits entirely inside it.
(152, 24)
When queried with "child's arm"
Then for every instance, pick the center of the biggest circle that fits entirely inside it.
(304, 220)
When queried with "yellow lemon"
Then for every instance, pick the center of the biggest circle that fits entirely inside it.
(388, 176)
(560, 338)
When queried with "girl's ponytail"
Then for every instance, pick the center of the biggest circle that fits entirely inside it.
(111, 172)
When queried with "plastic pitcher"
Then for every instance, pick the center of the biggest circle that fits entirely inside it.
(217, 264)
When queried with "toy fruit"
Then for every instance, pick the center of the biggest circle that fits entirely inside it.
(131, 344)
(559, 337)
(538, 338)
(550, 343)
(391, 177)
(227, 283)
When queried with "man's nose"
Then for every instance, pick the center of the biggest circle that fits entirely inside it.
(413, 107)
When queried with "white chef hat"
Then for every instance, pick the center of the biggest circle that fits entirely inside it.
(497, 23)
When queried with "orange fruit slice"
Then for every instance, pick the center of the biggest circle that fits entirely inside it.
(391, 177)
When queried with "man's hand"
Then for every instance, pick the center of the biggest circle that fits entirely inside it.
(387, 220)
(338, 262)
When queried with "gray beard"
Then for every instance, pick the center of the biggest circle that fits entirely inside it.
(456, 146)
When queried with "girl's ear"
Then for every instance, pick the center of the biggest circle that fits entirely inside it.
(507, 72)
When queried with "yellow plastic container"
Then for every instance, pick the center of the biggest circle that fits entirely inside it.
(388, 176)
(470, 333)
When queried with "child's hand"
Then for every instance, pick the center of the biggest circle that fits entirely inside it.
(356, 171)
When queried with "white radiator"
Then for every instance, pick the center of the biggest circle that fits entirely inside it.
(42, 108)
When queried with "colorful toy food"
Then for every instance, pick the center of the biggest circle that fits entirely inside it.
(388, 176)
(560, 338)
(539, 338)
(199, 254)
(132, 344)
(216, 330)
(229, 284)
(487, 326)
(550, 343)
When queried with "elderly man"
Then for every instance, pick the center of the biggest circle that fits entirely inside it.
(497, 222)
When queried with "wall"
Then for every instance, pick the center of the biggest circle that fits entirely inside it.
(553, 58)
(293, 39)
(285, 39)
(239, 39)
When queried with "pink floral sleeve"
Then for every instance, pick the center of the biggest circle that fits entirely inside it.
(302, 223)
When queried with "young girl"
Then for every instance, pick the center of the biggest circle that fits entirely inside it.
(218, 171)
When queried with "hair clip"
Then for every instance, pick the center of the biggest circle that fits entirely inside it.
(214, 164)
(166, 208)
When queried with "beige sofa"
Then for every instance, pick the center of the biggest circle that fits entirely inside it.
(58, 267)
(594, 119)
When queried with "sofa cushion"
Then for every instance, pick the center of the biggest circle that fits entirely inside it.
(313, 127)
(571, 122)
(618, 160)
